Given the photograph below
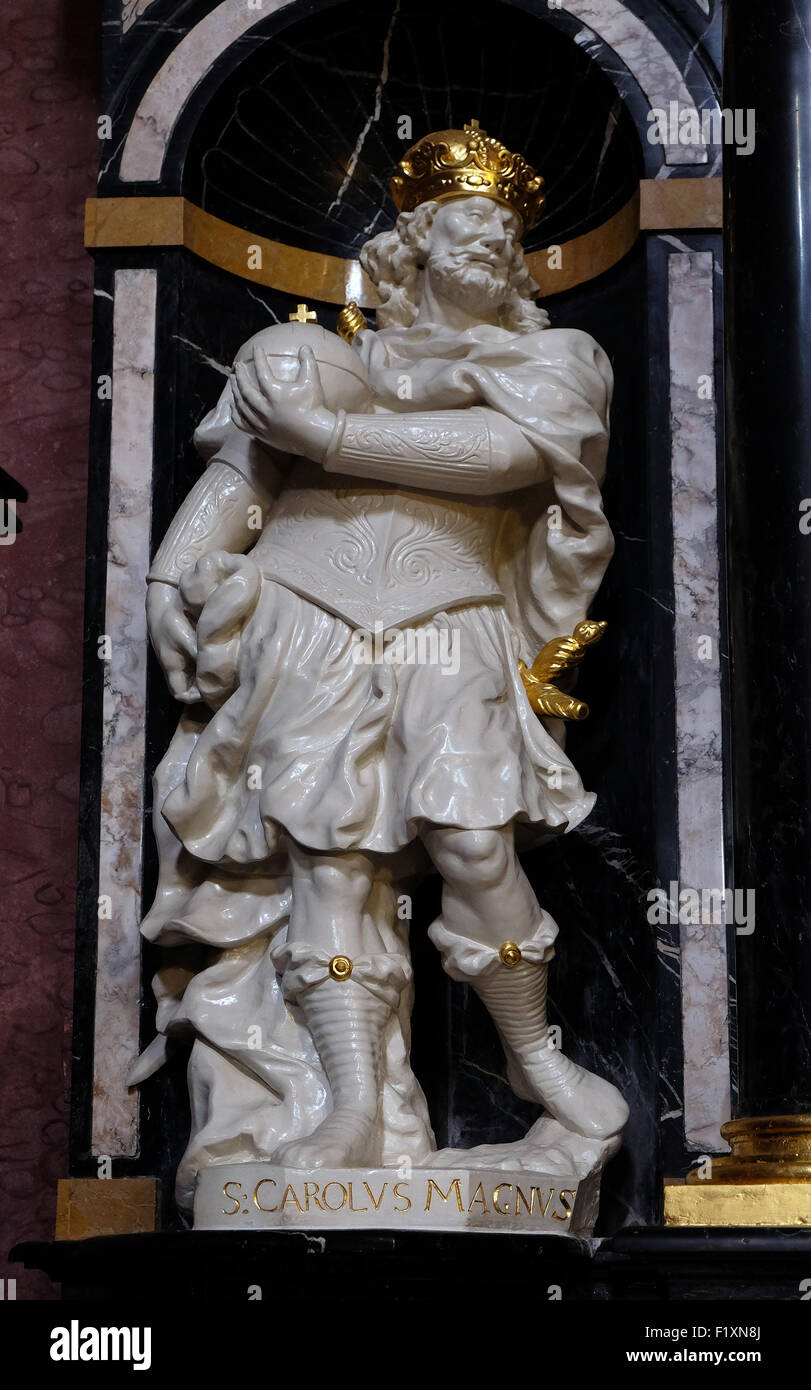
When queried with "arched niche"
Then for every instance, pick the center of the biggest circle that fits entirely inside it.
(245, 148)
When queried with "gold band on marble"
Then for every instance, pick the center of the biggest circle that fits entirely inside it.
(174, 221)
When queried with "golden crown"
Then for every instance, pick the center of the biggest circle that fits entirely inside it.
(452, 163)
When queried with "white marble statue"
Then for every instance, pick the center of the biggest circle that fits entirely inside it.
(381, 532)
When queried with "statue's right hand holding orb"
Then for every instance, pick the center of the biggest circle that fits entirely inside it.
(289, 415)
(173, 638)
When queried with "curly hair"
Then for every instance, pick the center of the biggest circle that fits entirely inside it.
(393, 261)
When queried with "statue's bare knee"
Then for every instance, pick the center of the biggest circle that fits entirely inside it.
(330, 893)
(484, 886)
(474, 859)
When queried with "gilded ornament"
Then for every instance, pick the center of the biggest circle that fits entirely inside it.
(560, 655)
(451, 163)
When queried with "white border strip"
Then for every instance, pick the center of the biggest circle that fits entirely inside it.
(699, 749)
(648, 61)
(118, 970)
(173, 84)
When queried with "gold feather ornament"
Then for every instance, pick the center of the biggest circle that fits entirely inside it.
(560, 655)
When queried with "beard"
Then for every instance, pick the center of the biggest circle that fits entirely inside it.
(471, 285)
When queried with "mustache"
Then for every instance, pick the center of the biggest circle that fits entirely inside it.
(464, 257)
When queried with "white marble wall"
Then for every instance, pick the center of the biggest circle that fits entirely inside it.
(118, 977)
(698, 691)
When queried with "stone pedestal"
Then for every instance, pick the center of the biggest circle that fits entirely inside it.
(261, 1196)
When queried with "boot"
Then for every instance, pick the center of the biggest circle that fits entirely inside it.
(346, 1006)
(511, 983)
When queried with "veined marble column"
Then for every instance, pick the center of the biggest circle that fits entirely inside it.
(118, 963)
(767, 61)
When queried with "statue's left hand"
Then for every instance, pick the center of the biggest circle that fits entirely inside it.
(173, 638)
(291, 415)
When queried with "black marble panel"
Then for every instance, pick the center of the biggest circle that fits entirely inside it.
(700, 21)
(299, 143)
(603, 984)
(538, 69)
(768, 308)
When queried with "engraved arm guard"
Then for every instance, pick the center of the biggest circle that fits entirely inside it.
(218, 514)
(461, 451)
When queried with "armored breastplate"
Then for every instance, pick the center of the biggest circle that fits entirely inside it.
(375, 555)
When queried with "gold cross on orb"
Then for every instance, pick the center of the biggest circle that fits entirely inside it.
(473, 124)
(303, 315)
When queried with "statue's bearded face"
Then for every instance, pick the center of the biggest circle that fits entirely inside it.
(469, 251)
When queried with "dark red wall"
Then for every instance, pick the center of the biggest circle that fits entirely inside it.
(48, 156)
